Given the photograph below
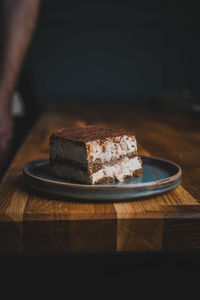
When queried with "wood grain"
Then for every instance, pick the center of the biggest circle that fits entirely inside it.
(35, 224)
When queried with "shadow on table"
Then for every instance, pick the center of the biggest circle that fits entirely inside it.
(101, 276)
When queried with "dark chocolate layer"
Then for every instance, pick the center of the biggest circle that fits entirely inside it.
(69, 162)
(89, 133)
(92, 166)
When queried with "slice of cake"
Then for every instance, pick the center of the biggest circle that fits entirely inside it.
(94, 155)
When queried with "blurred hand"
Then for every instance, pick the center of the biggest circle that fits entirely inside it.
(6, 129)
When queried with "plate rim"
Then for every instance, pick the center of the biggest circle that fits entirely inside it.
(145, 185)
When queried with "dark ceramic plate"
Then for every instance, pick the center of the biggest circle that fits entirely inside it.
(159, 176)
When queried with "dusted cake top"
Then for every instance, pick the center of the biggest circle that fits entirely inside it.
(89, 133)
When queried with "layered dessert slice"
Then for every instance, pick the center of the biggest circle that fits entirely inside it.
(93, 155)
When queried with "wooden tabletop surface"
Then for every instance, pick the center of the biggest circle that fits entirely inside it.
(35, 224)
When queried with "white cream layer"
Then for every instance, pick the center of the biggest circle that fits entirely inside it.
(119, 171)
(118, 147)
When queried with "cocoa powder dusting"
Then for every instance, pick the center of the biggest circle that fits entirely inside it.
(89, 133)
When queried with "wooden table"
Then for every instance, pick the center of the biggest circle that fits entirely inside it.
(35, 224)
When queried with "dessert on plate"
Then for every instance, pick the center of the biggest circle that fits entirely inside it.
(93, 155)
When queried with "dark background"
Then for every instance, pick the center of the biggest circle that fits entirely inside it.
(101, 49)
